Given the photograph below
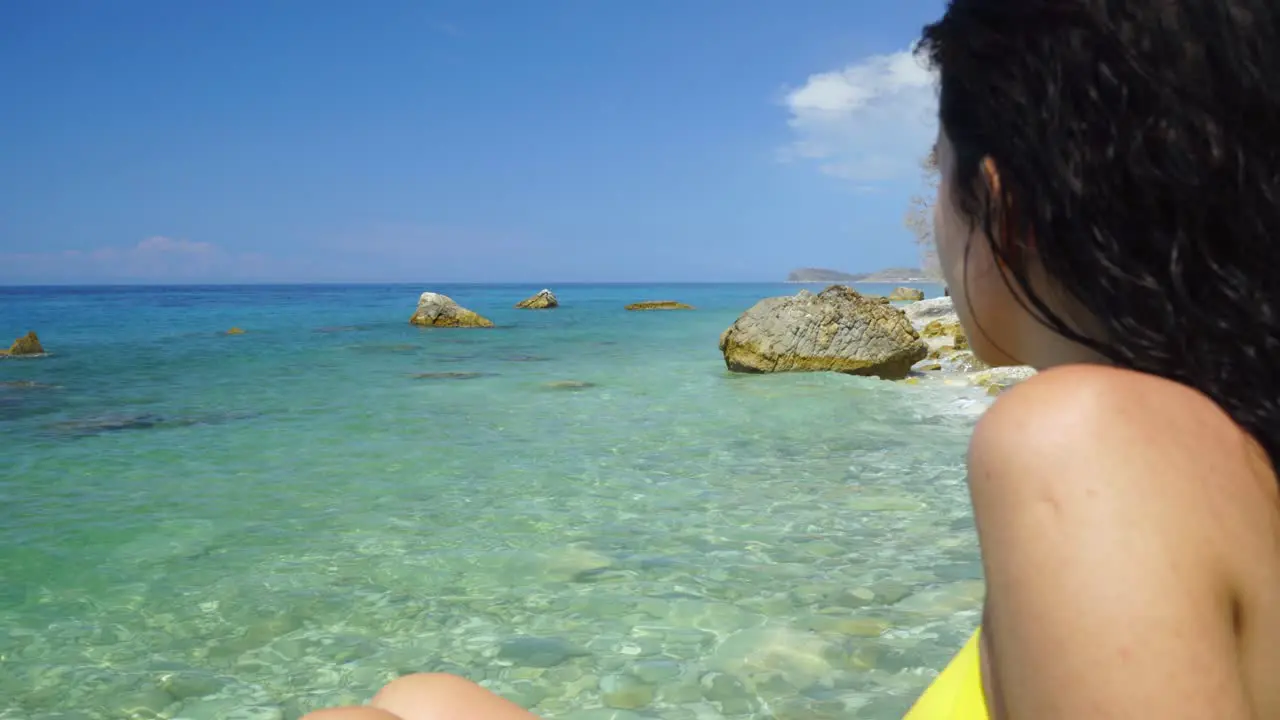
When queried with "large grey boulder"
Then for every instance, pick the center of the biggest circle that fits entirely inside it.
(436, 310)
(837, 330)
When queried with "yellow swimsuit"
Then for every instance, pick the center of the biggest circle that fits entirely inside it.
(957, 693)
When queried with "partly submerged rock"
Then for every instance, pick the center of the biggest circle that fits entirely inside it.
(24, 385)
(906, 293)
(837, 330)
(573, 563)
(450, 375)
(950, 351)
(801, 658)
(569, 385)
(998, 379)
(955, 361)
(659, 305)
(542, 300)
(940, 327)
(28, 345)
(949, 331)
(539, 652)
(436, 310)
(120, 422)
(235, 331)
(925, 311)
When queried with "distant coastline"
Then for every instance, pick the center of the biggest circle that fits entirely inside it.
(888, 275)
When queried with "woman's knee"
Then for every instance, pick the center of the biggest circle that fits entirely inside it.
(419, 685)
(439, 696)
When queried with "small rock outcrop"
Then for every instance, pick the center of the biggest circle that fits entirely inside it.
(542, 300)
(837, 330)
(938, 324)
(925, 311)
(906, 294)
(436, 310)
(949, 349)
(28, 345)
(997, 380)
(659, 305)
(235, 331)
(951, 332)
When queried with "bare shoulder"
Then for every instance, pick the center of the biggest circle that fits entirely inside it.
(1088, 421)
(1092, 403)
(1115, 511)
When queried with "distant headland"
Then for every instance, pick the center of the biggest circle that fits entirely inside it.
(888, 275)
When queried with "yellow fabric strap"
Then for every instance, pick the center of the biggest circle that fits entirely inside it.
(957, 693)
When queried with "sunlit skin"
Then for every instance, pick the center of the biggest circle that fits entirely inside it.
(1130, 530)
(430, 697)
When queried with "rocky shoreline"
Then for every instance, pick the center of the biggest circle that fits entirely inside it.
(841, 330)
(837, 330)
(901, 337)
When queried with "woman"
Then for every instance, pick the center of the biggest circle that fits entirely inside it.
(1109, 213)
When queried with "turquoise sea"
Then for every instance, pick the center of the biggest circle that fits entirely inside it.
(580, 508)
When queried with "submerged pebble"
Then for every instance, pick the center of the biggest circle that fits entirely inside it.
(450, 375)
(538, 652)
(569, 385)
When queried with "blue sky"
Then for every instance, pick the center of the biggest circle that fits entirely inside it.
(560, 140)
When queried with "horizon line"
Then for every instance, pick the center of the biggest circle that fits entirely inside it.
(349, 283)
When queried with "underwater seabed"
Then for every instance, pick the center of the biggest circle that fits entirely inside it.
(593, 518)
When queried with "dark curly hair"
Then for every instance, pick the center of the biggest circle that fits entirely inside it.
(1138, 149)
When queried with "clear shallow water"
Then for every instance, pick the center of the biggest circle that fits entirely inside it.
(580, 509)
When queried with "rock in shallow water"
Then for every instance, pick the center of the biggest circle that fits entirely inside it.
(146, 703)
(192, 684)
(948, 331)
(837, 330)
(450, 375)
(436, 310)
(799, 657)
(625, 692)
(542, 300)
(659, 305)
(539, 652)
(569, 385)
(26, 345)
(574, 563)
(657, 671)
(905, 293)
(997, 380)
(923, 312)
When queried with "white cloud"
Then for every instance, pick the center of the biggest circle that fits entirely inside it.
(868, 122)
